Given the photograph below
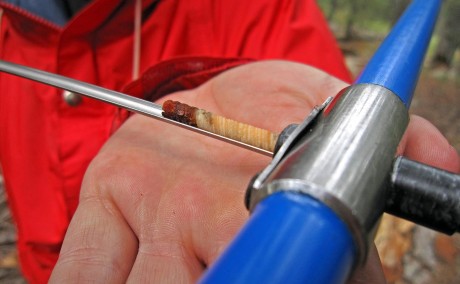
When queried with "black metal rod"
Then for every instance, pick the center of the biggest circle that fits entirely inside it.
(425, 195)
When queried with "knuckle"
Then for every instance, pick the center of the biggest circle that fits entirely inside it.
(89, 259)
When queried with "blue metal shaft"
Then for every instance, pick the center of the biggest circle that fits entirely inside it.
(290, 238)
(397, 63)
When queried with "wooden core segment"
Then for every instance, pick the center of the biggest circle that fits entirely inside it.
(248, 134)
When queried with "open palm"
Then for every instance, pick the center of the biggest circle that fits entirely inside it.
(160, 203)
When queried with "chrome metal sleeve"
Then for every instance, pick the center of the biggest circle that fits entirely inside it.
(346, 158)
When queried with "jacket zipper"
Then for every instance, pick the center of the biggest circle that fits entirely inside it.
(31, 16)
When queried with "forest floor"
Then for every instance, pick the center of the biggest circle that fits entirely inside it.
(409, 253)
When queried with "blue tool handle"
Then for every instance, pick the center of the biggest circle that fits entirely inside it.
(292, 238)
(397, 63)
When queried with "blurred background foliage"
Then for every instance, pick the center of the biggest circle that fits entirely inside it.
(372, 20)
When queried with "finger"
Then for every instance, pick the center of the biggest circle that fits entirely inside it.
(228, 213)
(99, 246)
(147, 178)
(165, 254)
(175, 237)
(426, 144)
(175, 242)
(167, 261)
(201, 204)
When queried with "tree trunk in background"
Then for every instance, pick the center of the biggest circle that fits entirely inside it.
(399, 6)
(333, 8)
(449, 38)
(352, 15)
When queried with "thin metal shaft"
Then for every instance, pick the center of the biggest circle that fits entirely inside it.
(116, 98)
(89, 90)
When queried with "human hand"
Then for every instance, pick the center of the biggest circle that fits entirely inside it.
(160, 203)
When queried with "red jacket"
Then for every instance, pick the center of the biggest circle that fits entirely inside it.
(46, 144)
